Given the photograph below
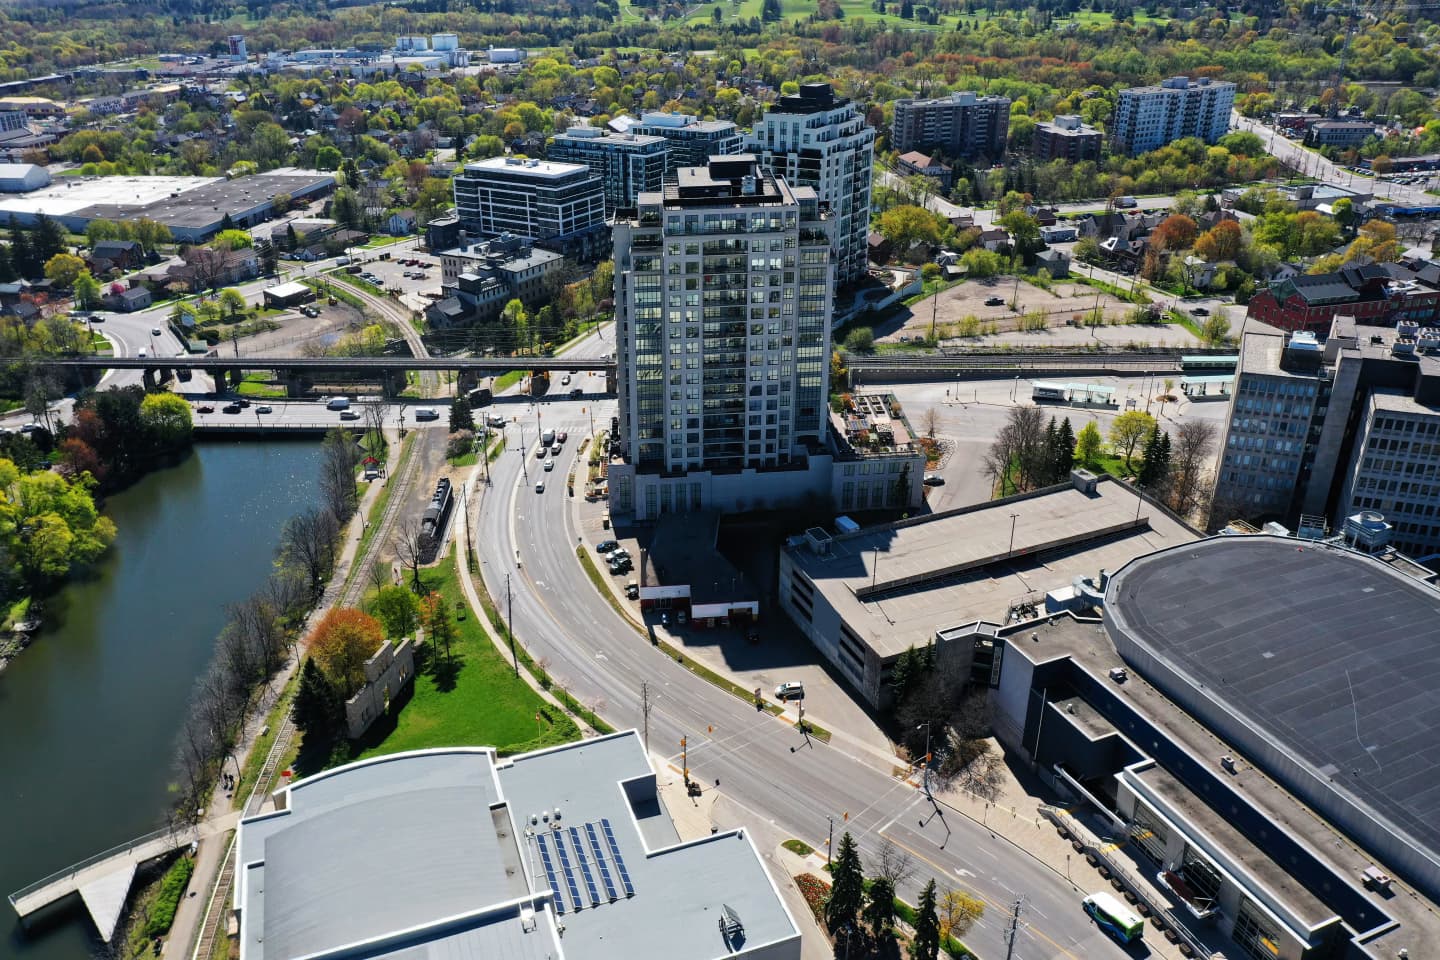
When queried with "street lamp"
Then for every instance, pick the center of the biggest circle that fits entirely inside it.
(1013, 517)
(925, 776)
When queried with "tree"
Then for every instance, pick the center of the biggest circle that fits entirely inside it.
(22, 252)
(1062, 452)
(233, 239)
(1216, 328)
(167, 420)
(63, 268)
(880, 908)
(925, 944)
(1152, 471)
(398, 610)
(98, 231)
(905, 226)
(848, 888)
(87, 291)
(1221, 242)
(307, 543)
(1175, 232)
(1017, 457)
(1024, 232)
(346, 209)
(461, 417)
(410, 544)
(860, 340)
(48, 236)
(337, 474)
(1128, 431)
(1376, 241)
(439, 628)
(1189, 461)
(1088, 443)
(232, 301)
(341, 643)
(317, 709)
(958, 912)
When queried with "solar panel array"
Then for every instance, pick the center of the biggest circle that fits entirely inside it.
(573, 856)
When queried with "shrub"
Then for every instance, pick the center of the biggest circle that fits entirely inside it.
(172, 888)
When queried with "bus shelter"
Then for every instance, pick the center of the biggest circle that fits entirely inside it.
(1215, 385)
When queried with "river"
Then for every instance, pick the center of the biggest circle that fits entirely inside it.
(89, 713)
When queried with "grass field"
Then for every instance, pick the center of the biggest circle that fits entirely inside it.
(255, 385)
(472, 697)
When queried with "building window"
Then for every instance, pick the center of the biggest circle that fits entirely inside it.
(1150, 834)
(1254, 932)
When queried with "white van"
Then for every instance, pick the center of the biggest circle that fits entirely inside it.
(338, 403)
(426, 413)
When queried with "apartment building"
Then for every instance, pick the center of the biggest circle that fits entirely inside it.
(1147, 118)
(963, 126)
(690, 140)
(628, 163)
(723, 289)
(816, 139)
(560, 206)
(1395, 469)
(1065, 138)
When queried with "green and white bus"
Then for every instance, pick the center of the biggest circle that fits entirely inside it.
(1114, 917)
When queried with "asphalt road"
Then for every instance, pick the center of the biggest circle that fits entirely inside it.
(761, 764)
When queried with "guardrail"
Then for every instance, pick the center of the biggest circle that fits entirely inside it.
(76, 868)
(1092, 845)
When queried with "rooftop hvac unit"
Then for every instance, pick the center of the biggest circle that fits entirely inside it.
(1403, 346)
(1407, 328)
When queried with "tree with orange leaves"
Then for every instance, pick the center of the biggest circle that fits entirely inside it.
(341, 643)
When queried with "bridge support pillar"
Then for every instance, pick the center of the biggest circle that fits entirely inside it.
(296, 384)
(149, 377)
(465, 381)
(610, 385)
(237, 377)
(393, 383)
(219, 377)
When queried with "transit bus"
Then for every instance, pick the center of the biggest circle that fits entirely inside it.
(1114, 917)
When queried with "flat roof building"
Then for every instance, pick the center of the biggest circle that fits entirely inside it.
(1147, 118)
(690, 140)
(1065, 138)
(963, 126)
(560, 206)
(1253, 726)
(457, 852)
(628, 163)
(865, 598)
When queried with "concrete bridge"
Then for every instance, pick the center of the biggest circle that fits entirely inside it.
(103, 881)
(299, 374)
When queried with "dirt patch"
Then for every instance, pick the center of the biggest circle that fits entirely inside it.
(297, 332)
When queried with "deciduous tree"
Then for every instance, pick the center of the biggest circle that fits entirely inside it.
(341, 643)
(1128, 431)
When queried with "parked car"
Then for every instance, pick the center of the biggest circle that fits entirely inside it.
(790, 690)
(575, 393)
(1199, 312)
(605, 546)
(934, 480)
(565, 380)
(154, 331)
(994, 301)
(632, 590)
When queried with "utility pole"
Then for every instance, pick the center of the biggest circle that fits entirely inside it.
(645, 711)
(685, 759)
(1012, 928)
(510, 623)
(830, 844)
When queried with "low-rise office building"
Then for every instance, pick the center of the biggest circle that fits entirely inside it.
(953, 579)
(1266, 801)
(628, 163)
(458, 852)
(477, 280)
(1065, 138)
(1341, 134)
(560, 206)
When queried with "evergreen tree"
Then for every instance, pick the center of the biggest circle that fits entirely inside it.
(925, 945)
(461, 417)
(848, 887)
(1162, 460)
(226, 223)
(902, 674)
(1148, 469)
(317, 708)
(47, 238)
(880, 907)
(1064, 450)
(7, 267)
(22, 252)
(1052, 438)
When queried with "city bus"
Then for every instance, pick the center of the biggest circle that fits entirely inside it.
(1114, 917)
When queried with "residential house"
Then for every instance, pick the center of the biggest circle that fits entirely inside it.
(401, 223)
(920, 164)
(880, 248)
(122, 255)
(129, 300)
(1054, 262)
(994, 238)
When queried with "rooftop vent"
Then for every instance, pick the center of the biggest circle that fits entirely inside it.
(1227, 763)
(1119, 674)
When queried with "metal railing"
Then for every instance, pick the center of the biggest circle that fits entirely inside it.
(115, 851)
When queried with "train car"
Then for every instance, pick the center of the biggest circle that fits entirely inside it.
(432, 523)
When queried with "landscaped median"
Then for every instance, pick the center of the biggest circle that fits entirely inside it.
(678, 655)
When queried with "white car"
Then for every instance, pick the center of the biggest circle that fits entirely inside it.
(540, 485)
(549, 464)
(154, 331)
(790, 690)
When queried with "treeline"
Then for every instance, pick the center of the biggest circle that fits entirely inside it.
(260, 632)
(118, 435)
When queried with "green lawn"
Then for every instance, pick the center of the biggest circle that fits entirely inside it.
(255, 385)
(475, 700)
(507, 380)
(375, 243)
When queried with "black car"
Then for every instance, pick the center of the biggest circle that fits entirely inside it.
(230, 408)
(994, 301)
(243, 403)
(1199, 312)
(605, 546)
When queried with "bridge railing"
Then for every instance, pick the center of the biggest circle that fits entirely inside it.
(175, 833)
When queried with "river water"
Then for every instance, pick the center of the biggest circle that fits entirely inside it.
(89, 713)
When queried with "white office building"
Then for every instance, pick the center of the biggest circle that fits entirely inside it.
(816, 139)
(1147, 118)
(560, 206)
